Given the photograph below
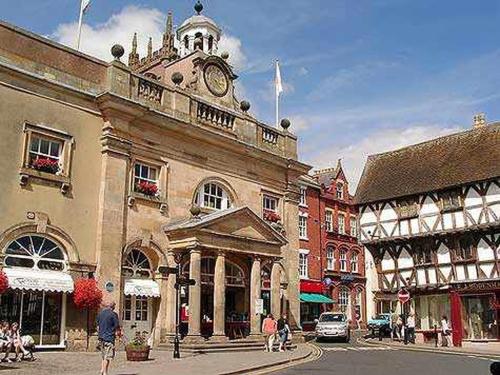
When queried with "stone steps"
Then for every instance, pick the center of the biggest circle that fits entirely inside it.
(214, 347)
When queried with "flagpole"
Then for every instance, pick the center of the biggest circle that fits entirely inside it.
(277, 94)
(79, 29)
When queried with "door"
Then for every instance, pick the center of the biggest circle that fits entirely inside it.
(137, 311)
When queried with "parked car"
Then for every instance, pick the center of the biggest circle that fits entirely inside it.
(380, 322)
(333, 325)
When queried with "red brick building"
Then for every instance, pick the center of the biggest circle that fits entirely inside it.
(331, 263)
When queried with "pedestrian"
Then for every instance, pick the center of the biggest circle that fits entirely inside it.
(283, 332)
(445, 331)
(269, 328)
(394, 325)
(399, 327)
(410, 325)
(15, 336)
(5, 341)
(108, 327)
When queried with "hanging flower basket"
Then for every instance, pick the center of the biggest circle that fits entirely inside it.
(87, 294)
(271, 216)
(147, 188)
(4, 282)
(46, 165)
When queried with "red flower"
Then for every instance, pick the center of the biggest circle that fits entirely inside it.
(87, 294)
(4, 282)
(46, 165)
(147, 188)
(271, 216)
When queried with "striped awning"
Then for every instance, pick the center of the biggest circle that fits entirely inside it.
(41, 280)
(141, 287)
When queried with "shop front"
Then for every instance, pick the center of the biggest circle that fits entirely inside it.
(36, 268)
(312, 303)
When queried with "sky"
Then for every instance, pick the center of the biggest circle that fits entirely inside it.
(360, 76)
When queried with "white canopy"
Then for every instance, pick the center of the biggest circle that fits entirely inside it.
(141, 287)
(31, 279)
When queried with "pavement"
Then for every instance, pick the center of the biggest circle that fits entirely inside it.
(359, 358)
(71, 363)
(485, 349)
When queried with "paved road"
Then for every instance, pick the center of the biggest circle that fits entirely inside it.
(354, 359)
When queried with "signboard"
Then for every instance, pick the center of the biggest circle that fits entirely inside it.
(327, 281)
(347, 278)
(403, 296)
(109, 286)
(357, 312)
(259, 306)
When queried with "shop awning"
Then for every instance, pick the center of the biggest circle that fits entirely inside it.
(30, 279)
(315, 298)
(141, 287)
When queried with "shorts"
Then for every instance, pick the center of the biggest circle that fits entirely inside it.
(283, 334)
(107, 349)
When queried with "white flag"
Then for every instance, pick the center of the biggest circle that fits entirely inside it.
(85, 6)
(279, 85)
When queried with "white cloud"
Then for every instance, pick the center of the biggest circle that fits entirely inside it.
(232, 45)
(354, 155)
(119, 28)
(303, 71)
(299, 124)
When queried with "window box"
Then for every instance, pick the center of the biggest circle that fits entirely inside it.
(46, 165)
(147, 188)
(271, 216)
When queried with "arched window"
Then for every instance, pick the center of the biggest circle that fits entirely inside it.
(343, 299)
(210, 43)
(265, 275)
(358, 304)
(354, 262)
(186, 42)
(343, 260)
(137, 264)
(212, 195)
(37, 252)
(198, 41)
(330, 258)
(234, 275)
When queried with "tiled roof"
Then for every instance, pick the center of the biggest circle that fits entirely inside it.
(456, 159)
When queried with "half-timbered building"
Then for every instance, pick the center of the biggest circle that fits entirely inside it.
(430, 217)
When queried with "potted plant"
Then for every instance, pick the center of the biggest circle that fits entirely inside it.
(147, 188)
(46, 165)
(138, 349)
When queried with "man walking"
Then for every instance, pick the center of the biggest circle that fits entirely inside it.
(108, 326)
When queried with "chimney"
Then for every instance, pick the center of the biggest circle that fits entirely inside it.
(479, 120)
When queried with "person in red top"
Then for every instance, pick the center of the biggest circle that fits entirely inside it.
(269, 329)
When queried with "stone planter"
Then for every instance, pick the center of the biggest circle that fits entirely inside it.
(137, 354)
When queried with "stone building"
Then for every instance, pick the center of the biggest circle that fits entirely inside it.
(114, 172)
(430, 216)
(331, 261)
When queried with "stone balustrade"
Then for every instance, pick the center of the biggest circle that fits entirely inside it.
(215, 116)
(150, 91)
(269, 136)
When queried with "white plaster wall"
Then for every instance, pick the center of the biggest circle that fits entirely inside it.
(443, 254)
(487, 268)
(471, 268)
(460, 272)
(446, 270)
(421, 277)
(414, 226)
(388, 213)
(484, 251)
(405, 260)
(447, 221)
(387, 262)
(367, 217)
(404, 227)
(371, 284)
(432, 275)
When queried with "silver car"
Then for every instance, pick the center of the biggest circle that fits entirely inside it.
(333, 325)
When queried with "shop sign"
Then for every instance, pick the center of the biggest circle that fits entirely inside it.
(259, 306)
(109, 286)
(477, 286)
(347, 278)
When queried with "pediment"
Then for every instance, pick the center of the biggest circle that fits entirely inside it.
(235, 222)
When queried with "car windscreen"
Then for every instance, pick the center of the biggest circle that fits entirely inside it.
(331, 318)
(381, 317)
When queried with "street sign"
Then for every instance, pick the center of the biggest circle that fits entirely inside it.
(403, 296)
(167, 270)
(259, 306)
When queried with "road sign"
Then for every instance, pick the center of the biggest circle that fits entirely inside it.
(403, 296)
(167, 270)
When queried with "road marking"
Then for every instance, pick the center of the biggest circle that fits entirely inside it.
(357, 349)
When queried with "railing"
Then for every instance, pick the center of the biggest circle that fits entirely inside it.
(149, 91)
(269, 136)
(215, 116)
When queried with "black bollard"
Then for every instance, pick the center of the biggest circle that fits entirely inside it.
(380, 331)
(436, 335)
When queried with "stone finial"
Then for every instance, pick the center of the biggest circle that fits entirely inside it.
(117, 51)
(170, 23)
(133, 57)
(198, 7)
(245, 106)
(225, 55)
(177, 78)
(150, 48)
(479, 120)
(285, 123)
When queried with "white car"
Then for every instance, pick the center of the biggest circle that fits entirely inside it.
(333, 325)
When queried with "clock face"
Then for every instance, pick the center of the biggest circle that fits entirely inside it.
(216, 80)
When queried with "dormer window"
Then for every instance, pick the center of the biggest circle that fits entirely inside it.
(339, 190)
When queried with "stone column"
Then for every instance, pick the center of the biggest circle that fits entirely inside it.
(161, 323)
(171, 311)
(195, 293)
(275, 290)
(255, 285)
(220, 296)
